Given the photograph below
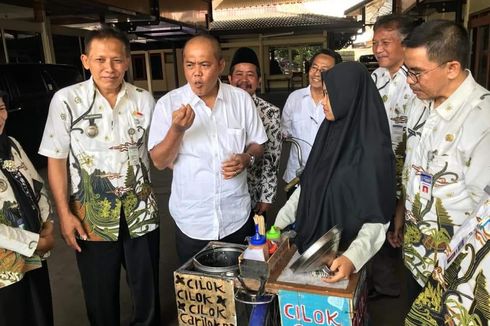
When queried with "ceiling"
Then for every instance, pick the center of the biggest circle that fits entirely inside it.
(162, 22)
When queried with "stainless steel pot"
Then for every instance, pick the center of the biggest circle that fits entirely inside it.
(218, 260)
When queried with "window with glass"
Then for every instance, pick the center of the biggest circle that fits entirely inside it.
(479, 25)
(139, 66)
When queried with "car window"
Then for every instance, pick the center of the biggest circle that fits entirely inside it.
(29, 81)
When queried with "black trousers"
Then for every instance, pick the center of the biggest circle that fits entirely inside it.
(100, 264)
(382, 275)
(188, 247)
(28, 302)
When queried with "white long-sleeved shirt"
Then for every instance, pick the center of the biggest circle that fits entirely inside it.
(367, 243)
(301, 119)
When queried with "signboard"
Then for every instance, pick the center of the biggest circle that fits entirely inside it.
(204, 300)
(302, 309)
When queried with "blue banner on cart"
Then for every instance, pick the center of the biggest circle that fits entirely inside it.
(300, 308)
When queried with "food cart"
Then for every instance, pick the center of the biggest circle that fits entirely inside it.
(218, 287)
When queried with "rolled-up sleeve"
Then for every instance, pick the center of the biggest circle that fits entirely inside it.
(18, 240)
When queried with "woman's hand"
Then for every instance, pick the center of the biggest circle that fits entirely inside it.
(342, 268)
(46, 238)
(395, 237)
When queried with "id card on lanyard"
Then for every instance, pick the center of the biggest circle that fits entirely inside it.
(133, 154)
(427, 179)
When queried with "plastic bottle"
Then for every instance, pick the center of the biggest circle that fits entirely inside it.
(257, 247)
(273, 238)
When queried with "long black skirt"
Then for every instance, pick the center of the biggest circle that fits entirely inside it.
(28, 302)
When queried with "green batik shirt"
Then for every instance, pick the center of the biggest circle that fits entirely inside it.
(450, 143)
(107, 156)
(458, 289)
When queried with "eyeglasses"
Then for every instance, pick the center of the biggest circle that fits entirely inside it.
(415, 76)
(316, 69)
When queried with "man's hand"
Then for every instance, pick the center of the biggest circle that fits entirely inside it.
(46, 238)
(261, 208)
(342, 268)
(183, 118)
(395, 237)
(71, 226)
(235, 165)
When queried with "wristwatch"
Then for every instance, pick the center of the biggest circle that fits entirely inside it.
(252, 159)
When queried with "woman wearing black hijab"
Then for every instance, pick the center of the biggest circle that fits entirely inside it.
(26, 236)
(349, 178)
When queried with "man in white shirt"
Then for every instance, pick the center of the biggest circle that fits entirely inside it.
(448, 140)
(262, 176)
(390, 79)
(303, 113)
(209, 133)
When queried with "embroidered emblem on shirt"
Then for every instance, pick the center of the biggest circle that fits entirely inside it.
(3, 185)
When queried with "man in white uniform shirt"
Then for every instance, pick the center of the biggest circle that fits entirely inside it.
(303, 113)
(209, 133)
(390, 79)
(98, 169)
(448, 140)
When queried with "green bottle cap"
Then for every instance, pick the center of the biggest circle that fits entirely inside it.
(273, 234)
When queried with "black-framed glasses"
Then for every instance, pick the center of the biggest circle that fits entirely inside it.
(415, 76)
(316, 69)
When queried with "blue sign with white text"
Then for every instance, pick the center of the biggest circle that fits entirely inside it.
(301, 308)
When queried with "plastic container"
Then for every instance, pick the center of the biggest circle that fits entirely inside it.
(257, 247)
(273, 238)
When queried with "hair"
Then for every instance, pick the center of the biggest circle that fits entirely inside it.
(5, 97)
(107, 32)
(331, 53)
(444, 40)
(402, 23)
(211, 39)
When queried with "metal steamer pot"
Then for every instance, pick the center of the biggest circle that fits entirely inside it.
(218, 260)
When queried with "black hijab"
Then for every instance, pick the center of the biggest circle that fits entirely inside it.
(349, 178)
(26, 214)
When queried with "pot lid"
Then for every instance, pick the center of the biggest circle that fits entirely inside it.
(319, 254)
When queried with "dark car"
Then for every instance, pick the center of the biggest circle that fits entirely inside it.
(30, 88)
(369, 60)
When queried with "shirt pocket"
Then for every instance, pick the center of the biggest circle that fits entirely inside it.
(234, 141)
(448, 178)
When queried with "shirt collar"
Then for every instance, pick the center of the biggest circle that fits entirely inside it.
(91, 88)
(453, 103)
(194, 99)
(304, 92)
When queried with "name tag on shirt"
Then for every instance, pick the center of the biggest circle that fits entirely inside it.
(426, 180)
(133, 153)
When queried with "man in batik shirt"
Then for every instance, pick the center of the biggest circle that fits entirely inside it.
(262, 176)
(391, 81)
(95, 141)
(448, 140)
